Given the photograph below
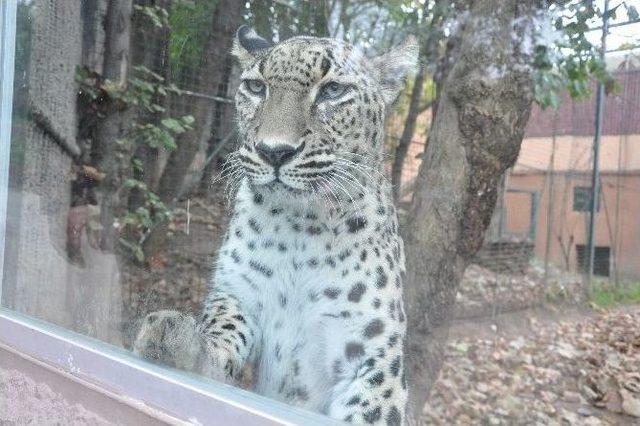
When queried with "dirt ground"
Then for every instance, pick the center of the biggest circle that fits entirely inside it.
(26, 402)
(551, 366)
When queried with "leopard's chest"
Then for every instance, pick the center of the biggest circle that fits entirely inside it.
(296, 283)
(284, 274)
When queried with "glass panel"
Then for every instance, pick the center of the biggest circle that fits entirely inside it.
(224, 187)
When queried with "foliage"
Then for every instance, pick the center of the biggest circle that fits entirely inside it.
(190, 24)
(606, 295)
(571, 61)
(145, 91)
(142, 219)
(158, 15)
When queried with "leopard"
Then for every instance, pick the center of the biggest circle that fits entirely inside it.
(307, 286)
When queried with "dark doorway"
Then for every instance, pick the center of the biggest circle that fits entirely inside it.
(601, 260)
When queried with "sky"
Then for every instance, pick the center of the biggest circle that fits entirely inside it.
(619, 36)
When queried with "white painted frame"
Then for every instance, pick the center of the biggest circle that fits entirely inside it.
(187, 398)
(7, 54)
(183, 396)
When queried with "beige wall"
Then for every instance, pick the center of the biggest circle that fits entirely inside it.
(618, 228)
(573, 168)
(573, 153)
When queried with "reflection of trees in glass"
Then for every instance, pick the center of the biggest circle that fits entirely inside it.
(190, 28)
(23, 49)
(21, 78)
(479, 96)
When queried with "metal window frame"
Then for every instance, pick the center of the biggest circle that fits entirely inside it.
(7, 54)
(146, 386)
(187, 397)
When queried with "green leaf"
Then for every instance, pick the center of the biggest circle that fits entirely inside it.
(137, 165)
(134, 183)
(611, 13)
(173, 125)
(135, 249)
(188, 119)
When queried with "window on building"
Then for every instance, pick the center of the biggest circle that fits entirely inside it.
(582, 199)
(601, 259)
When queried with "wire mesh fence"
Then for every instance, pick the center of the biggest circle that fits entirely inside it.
(547, 192)
(179, 52)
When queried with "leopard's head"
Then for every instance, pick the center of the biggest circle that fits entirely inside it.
(311, 111)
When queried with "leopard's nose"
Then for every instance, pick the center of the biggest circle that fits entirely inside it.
(277, 155)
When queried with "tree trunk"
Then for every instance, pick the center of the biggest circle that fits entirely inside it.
(321, 18)
(476, 136)
(213, 72)
(312, 17)
(444, 62)
(261, 18)
(214, 76)
(429, 53)
(110, 157)
(150, 48)
(407, 132)
(496, 225)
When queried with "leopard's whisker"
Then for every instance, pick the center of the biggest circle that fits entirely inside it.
(369, 170)
(342, 188)
(353, 182)
(231, 164)
(232, 185)
(329, 187)
(364, 172)
(325, 195)
(360, 166)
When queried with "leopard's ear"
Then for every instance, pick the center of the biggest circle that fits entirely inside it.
(247, 45)
(393, 67)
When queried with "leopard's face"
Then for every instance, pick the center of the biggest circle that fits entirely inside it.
(310, 114)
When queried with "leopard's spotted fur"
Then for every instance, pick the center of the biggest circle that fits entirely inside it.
(308, 284)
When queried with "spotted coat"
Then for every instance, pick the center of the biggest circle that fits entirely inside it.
(308, 284)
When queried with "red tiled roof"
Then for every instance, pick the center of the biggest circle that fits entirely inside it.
(621, 112)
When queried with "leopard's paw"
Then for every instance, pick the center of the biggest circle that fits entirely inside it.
(170, 338)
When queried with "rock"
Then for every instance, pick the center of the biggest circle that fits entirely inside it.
(584, 411)
(630, 404)
(592, 421)
(569, 396)
(570, 417)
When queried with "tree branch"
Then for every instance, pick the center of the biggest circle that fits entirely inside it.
(425, 106)
(476, 136)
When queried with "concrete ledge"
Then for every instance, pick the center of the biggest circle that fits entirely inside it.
(113, 408)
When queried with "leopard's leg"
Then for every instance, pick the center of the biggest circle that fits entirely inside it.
(229, 332)
(376, 393)
(217, 346)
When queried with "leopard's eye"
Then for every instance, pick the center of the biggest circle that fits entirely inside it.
(256, 87)
(332, 90)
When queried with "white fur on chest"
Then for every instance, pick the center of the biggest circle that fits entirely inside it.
(298, 323)
(295, 277)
